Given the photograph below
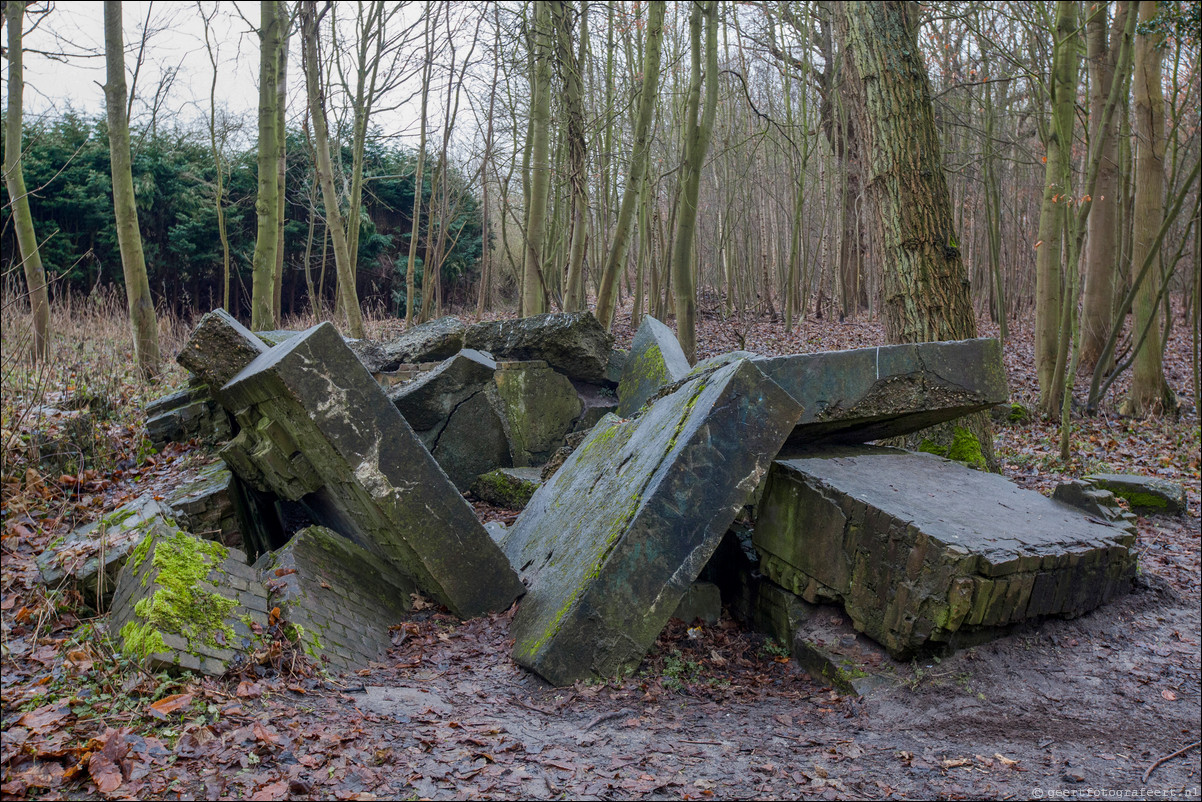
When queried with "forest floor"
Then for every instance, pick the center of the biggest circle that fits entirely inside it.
(1083, 708)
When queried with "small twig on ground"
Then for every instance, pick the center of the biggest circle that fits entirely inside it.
(607, 717)
(1167, 758)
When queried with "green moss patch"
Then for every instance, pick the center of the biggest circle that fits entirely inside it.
(179, 605)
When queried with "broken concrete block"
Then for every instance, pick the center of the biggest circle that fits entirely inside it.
(340, 598)
(474, 440)
(215, 507)
(428, 342)
(508, 487)
(575, 344)
(184, 415)
(919, 549)
(217, 349)
(869, 393)
(609, 545)
(77, 559)
(656, 359)
(1095, 501)
(428, 400)
(316, 425)
(540, 407)
(1143, 493)
(184, 603)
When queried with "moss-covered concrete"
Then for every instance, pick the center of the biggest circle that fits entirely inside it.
(508, 487)
(655, 360)
(611, 542)
(1143, 493)
(185, 603)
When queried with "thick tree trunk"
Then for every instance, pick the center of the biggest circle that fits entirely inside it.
(616, 258)
(14, 179)
(926, 291)
(125, 209)
(1150, 392)
(267, 208)
(534, 295)
(325, 171)
(1102, 244)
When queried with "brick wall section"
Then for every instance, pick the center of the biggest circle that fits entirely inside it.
(201, 651)
(344, 598)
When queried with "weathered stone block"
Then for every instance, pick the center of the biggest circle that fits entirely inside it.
(919, 548)
(474, 441)
(428, 400)
(870, 393)
(540, 408)
(315, 422)
(575, 344)
(186, 414)
(609, 545)
(217, 349)
(341, 598)
(1095, 501)
(656, 359)
(508, 487)
(428, 342)
(90, 558)
(175, 606)
(1143, 493)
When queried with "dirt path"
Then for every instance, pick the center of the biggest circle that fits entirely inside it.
(1081, 707)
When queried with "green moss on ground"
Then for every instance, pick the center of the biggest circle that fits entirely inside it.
(964, 448)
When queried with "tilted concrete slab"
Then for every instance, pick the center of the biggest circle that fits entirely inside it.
(868, 393)
(610, 544)
(316, 425)
(575, 344)
(918, 548)
(218, 348)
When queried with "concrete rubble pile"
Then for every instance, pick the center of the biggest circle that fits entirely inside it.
(649, 489)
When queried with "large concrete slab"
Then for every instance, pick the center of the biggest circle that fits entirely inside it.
(540, 406)
(575, 344)
(341, 598)
(868, 393)
(610, 544)
(656, 359)
(316, 425)
(919, 549)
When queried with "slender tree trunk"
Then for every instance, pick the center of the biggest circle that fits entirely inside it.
(14, 179)
(534, 295)
(125, 209)
(927, 290)
(1150, 393)
(697, 139)
(325, 171)
(267, 210)
(1054, 210)
(616, 259)
(411, 269)
(281, 138)
(572, 64)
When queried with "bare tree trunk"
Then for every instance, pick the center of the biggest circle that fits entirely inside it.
(927, 289)
(125, 208)
(325, 171)
(1150, 393)
(14, 179)
(697, 134)
(411, 269)
(262, 303)
(572, 65)
(1101, 258)
(534, 295)
(281, 137)
(616, 259)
